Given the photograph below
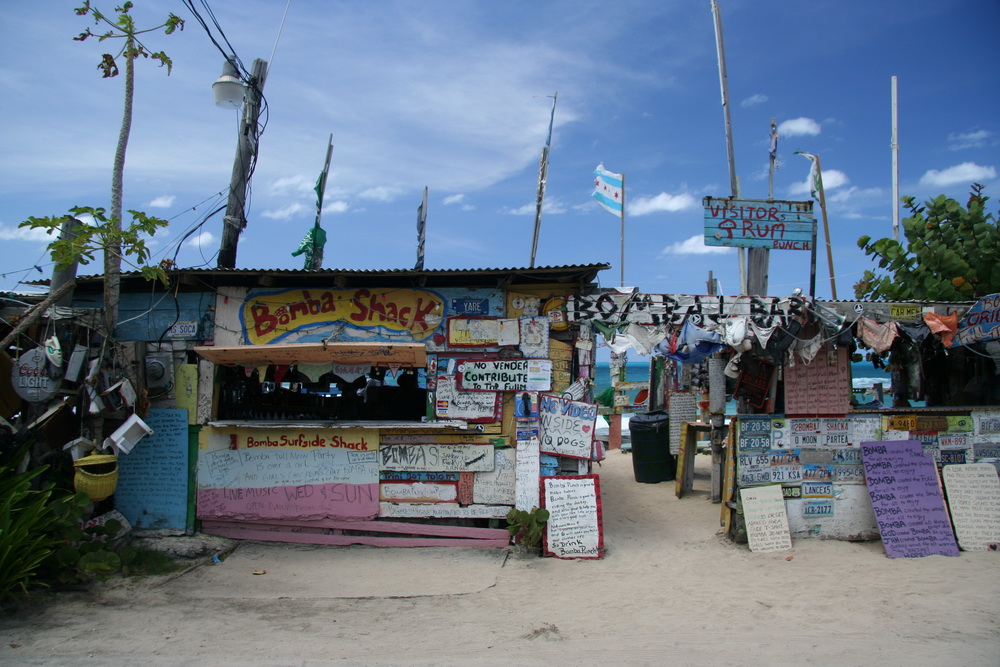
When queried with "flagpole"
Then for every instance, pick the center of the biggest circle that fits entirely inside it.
(316, 256)
(421, 231)
(623, 233)
(773, 157)
(826, 227)
(895, 166)
(543, 174)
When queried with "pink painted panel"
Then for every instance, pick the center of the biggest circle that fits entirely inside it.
(308, 501)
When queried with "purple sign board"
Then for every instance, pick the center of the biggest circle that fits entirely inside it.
(909, 508)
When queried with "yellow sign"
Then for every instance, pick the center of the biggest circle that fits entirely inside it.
(358, 439)
(267, 318)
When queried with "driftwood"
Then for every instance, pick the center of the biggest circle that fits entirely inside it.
(36, 312)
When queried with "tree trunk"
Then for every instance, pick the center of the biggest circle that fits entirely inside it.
(113, 251)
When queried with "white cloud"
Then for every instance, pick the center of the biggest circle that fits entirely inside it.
(380, 193)
(552, 205)
(662, 202)
(799, 127)
(452, 199)
(963, 140)
(285, 213)
(164, 201)
(693, 246)
(967, 172)
(203, 240)
(336, 207)
(754, 100)
(832, 179)
(23, 234)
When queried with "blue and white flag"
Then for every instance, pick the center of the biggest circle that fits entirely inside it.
(815, 176)
(608, 190)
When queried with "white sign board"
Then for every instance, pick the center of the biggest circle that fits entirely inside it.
(766, 519)
(436, 458)
(974, 499)
(526, 472)
(497, 486)
(566, 427)
(574, 527)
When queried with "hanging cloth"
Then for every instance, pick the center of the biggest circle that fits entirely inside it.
(693, 345)
(878, 337)
(945, 325)
(762, 333)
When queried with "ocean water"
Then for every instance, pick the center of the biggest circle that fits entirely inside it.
(864, 376)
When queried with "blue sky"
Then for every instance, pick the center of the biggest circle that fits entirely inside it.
(457, 97)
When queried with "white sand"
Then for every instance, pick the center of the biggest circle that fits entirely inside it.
(670, 590)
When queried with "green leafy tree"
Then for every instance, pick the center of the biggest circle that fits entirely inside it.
(121, 27)
(103, 235)
(951, 254)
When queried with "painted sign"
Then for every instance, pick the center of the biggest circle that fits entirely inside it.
(496, 487)
(980, 323)
(473, 332)
(441, 511)
(526, 471)
(566, 427)
(436, 458)
(287, 483)
(534, 335)
(683, 408)
(614, 307)
(756, 223)
(505, 375)
(820, 387)
(766, 520)
(574, 528)
(910, 511)
(422, 492)
(152, 490)
(472, 406)
(32, 378)
(268, 317)
(974, 499)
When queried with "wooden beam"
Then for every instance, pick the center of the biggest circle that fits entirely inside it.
(378, 354)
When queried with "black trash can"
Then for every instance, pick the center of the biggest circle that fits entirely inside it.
(652, 461)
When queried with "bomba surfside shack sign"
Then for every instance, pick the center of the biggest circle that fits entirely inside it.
(757, 223)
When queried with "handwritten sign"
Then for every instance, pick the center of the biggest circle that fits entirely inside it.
(506, 375)
(755, 223)
(496, 487)
(766, 519)
(566, 427)
(423, 492)
(683, 408)
(535, 337)
(909, 509)
(526, 471)
(265, 468)
(574, 529)
(472, 406)
(820, 387)
(152, 489)
(436, 458)
(974, 500)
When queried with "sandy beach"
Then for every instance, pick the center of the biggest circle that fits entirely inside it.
(670, 589)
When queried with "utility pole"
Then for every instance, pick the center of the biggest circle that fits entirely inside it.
(246, 155)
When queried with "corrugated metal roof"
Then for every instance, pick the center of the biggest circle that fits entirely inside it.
(576, 274)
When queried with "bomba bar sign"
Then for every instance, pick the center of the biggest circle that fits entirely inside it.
(269, 317)
(757, 223)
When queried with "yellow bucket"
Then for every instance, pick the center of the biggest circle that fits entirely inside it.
(96, 475)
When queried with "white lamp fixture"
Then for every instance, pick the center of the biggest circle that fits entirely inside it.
(228, 88)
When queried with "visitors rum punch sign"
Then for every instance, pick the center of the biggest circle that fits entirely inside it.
(909, 509)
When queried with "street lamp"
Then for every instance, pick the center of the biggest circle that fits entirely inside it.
(230, 92)
(228, 88)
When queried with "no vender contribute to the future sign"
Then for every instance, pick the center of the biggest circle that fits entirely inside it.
(756, 223)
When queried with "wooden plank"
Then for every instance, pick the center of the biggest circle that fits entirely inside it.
(377, 354)
(378, 526)
(442, 510)
(276, 534)
(436, 458)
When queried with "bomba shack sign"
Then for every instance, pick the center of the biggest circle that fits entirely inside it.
(268, 317)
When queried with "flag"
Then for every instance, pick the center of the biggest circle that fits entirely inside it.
(773, 148)
(815, 180)
(608, 190)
